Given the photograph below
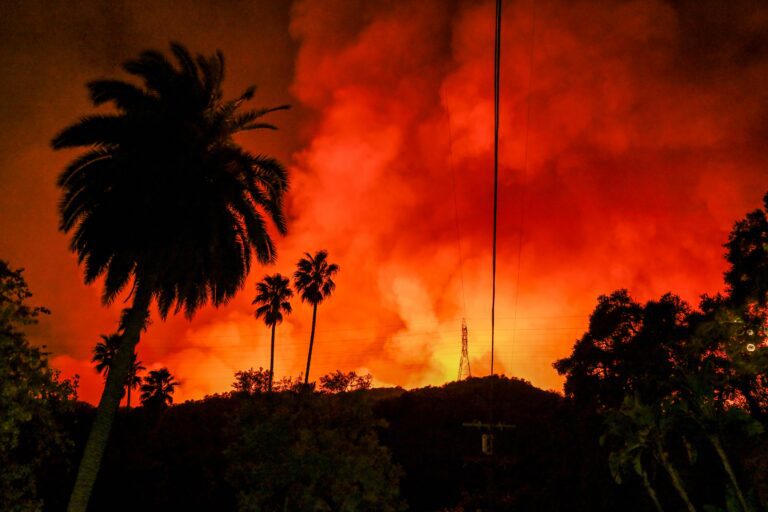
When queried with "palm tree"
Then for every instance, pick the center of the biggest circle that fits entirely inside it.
(134, 379)
(272, 297)
(314, 281)
(164, 200)
(157, 389)
(104, 353)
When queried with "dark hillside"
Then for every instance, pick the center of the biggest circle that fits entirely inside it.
(180, 458)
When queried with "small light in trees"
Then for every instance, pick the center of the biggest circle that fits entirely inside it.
(750, 332)
(751, 347)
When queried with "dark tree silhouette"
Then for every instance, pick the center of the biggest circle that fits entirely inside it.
(747, 277)
(316, 452)
(671, 371)
(157, 389)
(273, 294)
(33, 400)
(134, 379)
(163, 198)
(104, 355)
(630, 442)
(251, 382)
(314, 282)
(340, 382)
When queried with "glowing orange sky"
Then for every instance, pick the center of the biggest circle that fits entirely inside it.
(646, 140)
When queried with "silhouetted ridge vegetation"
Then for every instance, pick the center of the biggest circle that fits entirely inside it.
(206, 454)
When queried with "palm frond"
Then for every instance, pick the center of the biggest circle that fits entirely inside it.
(163, 195)
(157, 72)
(95, 130)
(125, 96)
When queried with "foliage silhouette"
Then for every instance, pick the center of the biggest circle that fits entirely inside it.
(157, 388)
(314, 282)
(251, 382)
(747, 254)
(698, 373)
(293, 385)
(134, 379)
(33, 401)
(312, 452)
(176, 458)
(630, 449)
(273, 294)
(640, 431)
(163, 197)
(104, 354)
(340, 382)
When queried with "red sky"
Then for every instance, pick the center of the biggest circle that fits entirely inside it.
(645, 124)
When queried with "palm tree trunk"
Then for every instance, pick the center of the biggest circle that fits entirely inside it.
(714, 439)
(311, 342)
(677, 482)
(110, 400)
(648, 487)
(272, 359)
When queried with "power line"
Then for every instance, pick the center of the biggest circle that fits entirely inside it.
(488, 437)
(496, 77)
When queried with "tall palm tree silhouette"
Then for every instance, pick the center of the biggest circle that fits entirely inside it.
(165, 200)
(273, 294)
(157, 389)
(104, 355)
(314, 282)
(134, 379)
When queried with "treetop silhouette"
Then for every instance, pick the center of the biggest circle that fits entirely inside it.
(314, 282)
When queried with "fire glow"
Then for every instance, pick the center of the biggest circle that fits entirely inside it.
(645, 142)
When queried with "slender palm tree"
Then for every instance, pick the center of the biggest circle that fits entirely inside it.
(104, 353)
(314, 281)
(273, 294)
(164, 201)
(134, 379)
(157, 389)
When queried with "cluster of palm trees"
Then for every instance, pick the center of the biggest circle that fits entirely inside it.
(157, 387)
(313, 280)
(164, 201)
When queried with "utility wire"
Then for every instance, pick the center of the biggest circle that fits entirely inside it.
(496, 80)
(496, 76)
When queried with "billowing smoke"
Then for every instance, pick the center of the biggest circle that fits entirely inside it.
(632, 137)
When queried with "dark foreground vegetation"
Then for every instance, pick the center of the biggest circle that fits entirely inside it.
(261, 450)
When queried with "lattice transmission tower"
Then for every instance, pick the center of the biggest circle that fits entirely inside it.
(464, 370)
